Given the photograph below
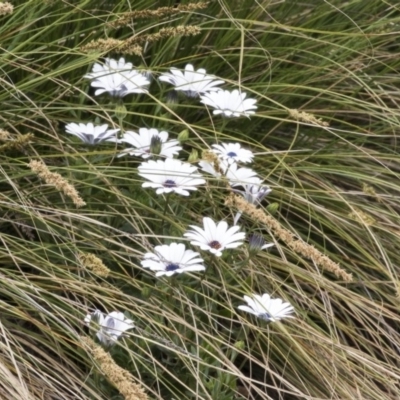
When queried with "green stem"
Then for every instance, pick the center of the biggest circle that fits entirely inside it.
(167, 196)
(120, 113)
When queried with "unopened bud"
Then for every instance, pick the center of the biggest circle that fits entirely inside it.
(146, 292)
(184, 135)
(273, 208)
(193, 156)
(240, 345)
(120, 111)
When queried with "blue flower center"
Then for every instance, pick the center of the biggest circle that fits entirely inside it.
(172, 267)
(215, 244)
(169, 183)
(232, 154)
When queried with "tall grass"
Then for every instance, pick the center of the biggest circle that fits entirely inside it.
(333, 167)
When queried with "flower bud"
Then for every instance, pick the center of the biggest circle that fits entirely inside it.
(120, 111)
(146, 292)
(184, 135)
(193, 156)
(273, 208)
(240, 345)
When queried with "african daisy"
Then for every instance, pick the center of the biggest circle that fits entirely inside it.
(143, 143)
(91, 134)
(111, 326)
(170, 175)
(117, 78)
(192, 82)
(173, 259)
(230, 104)
(233, 152)
(215, 237)
(266, 308)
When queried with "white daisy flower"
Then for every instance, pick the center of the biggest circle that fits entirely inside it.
(209, 168)
(266, 308)
(170, 175)
(111, 326)
(215, 238)
(233, 152)
(121, 84)
(173, 259)
(240, 176)
(91, 134)
(192, 82)
(235, 175)
(255, 191)
(144, 143)
(230, 104)
(109, 66)
(117, 78)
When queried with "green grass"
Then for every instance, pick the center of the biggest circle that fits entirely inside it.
(336, 60)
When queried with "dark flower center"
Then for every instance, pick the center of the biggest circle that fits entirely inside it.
(232, 154)
(155, 145)
(169, 183)
(215, 245)
(172, 267)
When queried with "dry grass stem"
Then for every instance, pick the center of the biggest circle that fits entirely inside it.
(93, 263)
(57, 181)
(118, 376)
(370, 191)
(298, 246)
(181, 30)
(6, 8)
(4, 135)
(18, 143)
(212, 158)
(118, 46)
(362, 217)
(132, 46)
(307, 117)
(160, 12)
